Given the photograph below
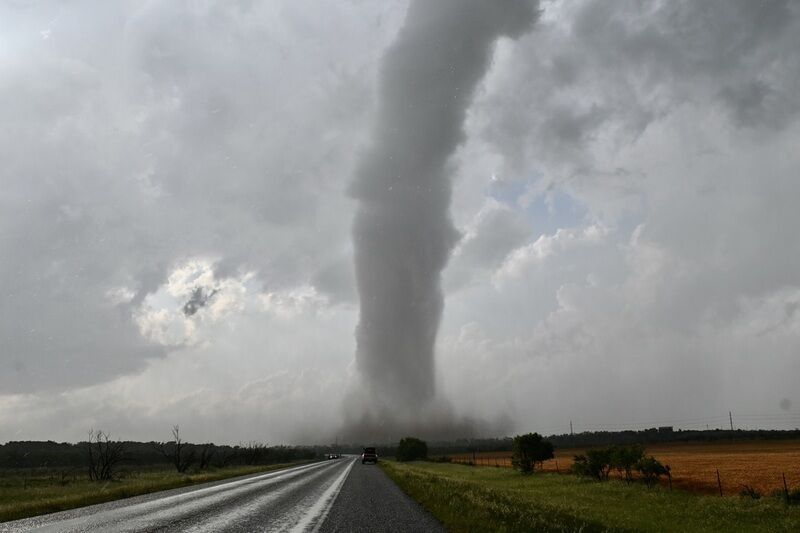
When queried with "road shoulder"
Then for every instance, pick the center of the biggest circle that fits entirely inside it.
(371, 502)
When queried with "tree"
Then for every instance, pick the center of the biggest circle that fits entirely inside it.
(529, 449)
(177, 452)
(412, 449)
(103, 455)
(207, 454)
(253, 453)
(595, 463)
(651, 470)
(625, 459)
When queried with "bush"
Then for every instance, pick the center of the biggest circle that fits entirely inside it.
(651, 470)
(529, 449)
(598, 463)
(625, 458)
(411, 449)
(594, 463)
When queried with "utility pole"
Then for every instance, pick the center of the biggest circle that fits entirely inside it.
(570, 428)
(730, 416)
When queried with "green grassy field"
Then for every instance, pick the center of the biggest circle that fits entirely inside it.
(32, 492)
(466, 498)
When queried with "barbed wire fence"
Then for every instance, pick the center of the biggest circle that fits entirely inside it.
(720, 483)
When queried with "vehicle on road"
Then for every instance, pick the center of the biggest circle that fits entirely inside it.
(369, 456)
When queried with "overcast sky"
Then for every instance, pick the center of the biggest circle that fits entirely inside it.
(175, 223)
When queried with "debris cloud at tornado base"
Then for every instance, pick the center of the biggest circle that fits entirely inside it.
(402, 232)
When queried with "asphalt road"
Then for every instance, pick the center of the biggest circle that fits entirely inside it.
(337, 495)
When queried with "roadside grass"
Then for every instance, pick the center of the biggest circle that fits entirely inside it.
(32, 492)
(466, 498)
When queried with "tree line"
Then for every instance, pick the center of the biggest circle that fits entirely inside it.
(666, 434)
(100, 452)
(606, 438)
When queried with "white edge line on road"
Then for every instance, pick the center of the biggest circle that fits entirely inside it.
(322, 507)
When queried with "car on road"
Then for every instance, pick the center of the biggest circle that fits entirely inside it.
(369, 456)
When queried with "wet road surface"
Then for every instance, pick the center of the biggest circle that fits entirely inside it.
(333, 496)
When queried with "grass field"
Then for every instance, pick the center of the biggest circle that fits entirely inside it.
(32, 492)
(758, 464)
(466, 498)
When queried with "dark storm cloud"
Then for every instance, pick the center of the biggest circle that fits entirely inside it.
(402, 232)
(122, 122)
(620, 66)
(139, 136)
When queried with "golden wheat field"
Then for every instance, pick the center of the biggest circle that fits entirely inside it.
(756, 464)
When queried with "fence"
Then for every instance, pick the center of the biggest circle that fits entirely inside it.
(724, 474)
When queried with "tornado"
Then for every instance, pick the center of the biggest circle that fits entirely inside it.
(402, 231)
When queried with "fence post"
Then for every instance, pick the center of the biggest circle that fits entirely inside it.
(719, 483)
(785, 487)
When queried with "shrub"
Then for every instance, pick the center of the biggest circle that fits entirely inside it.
(651, 470)
(595, 463)
(411, 449)
(625, 458)
(529, 449)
